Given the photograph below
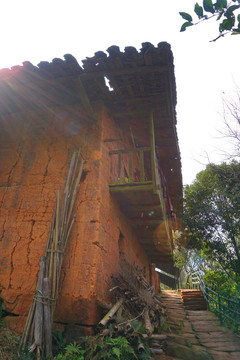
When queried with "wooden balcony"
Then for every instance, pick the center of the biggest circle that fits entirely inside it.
(137, 186)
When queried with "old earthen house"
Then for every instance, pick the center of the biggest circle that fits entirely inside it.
(131, 187)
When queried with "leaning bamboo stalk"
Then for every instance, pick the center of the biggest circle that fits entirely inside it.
(155, 336)
(38, 320)
(60, 229)
(47, 318)
(75, 191)
(28, 324)
(147, 322)
(110, 314)
(55, 248)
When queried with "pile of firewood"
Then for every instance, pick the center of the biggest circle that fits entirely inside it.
(137, 312)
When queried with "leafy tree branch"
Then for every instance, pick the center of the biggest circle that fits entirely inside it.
(227, 13)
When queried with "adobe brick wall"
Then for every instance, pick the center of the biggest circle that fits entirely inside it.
(35, 154)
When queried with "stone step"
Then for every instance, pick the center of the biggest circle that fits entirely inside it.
(196, 307)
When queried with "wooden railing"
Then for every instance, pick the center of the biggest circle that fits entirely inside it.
(144, 160)
(228, 310)
(126, 164)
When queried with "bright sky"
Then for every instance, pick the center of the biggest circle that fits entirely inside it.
(42, 30)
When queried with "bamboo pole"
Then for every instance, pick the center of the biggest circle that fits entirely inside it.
(41, 313)
(147, 322)
(47, 319)
(38, 320)
(110, 314)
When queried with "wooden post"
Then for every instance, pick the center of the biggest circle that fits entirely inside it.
(153, 152)
(142, 170)
(119, 168)
(220, 308)
(47, 318)
(207, 297)
(38, 321)
(130, 167)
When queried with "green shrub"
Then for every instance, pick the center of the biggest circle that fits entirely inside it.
(72, 352)
(110, 349)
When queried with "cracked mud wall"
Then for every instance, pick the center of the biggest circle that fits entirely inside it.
(35, 154)
(35, 151)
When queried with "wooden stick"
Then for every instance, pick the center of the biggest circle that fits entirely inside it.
(28, 324)
(155, 336)
(55, 247)
(148, 325)
(110, 314)
(47, 318)
(50, 265)
(38, 320)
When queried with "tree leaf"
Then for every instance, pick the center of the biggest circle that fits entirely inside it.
(116, 351)
(225, 25)
(230, 10)
(198, 10)
(208, 6)
(186, 16)
(220, 15)
(235, 32)
(221, 4)
(185, 25)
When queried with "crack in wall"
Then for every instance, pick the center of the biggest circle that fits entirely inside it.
(99, 245)
(29, 243)
(19, 155)
(11, 172)
(3, 230)
(47, 165)
(11, 263)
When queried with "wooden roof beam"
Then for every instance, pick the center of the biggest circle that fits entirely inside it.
(125, 71)
(84, 98)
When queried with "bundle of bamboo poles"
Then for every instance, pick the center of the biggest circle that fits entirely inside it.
(38, 328)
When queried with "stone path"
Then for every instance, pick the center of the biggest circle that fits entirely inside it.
(196, 335)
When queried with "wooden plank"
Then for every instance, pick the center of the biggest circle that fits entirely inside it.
(117, 188)
(141, 162)
(119, 168)
(125, 71)
(84, 98)
(145, 222)
(142, 207)
(131, 167)
(133, 150)
(152, 145)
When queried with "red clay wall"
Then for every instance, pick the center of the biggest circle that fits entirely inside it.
(35, 155)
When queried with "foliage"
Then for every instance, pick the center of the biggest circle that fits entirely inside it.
(110, 349)
(72, 352)
(231, 122)
(107, 348)
(25, 355)
(225, 12)
(212, 212)
(218, 281)
(59, 341)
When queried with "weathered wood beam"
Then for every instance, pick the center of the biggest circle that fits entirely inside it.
(152, 145)
(117, 188)
(143, 207)
(129, 151)
(125, 71)
(84, 98)
(146, 222)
